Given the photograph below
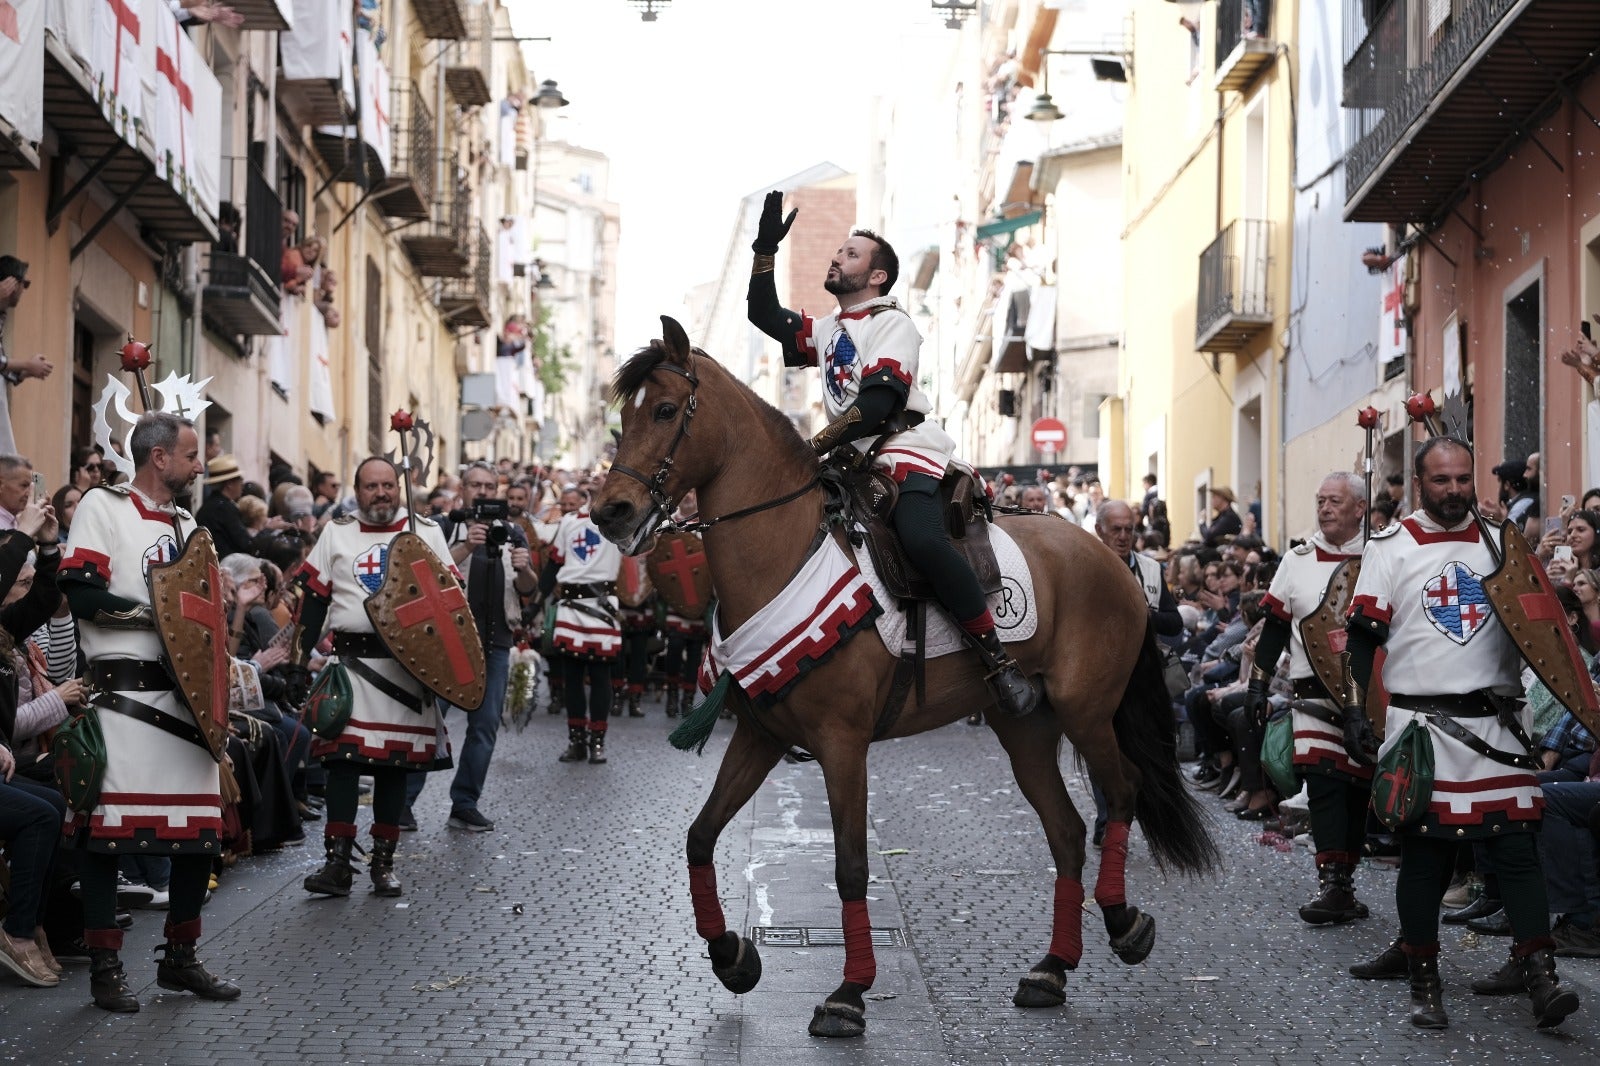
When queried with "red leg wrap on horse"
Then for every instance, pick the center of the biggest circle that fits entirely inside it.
(1109, 888)
(1066, 933)
(708, 920)
(860, 965)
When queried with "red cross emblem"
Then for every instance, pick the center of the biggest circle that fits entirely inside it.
(170, 66)
(125, 21)
(1398, 779)
(9, 26)
(1393, 301)
(210, 614)
(1444, 594)
(437, 604)
(680, 565)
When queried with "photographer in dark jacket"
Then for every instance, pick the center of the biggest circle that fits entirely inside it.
(496, 566)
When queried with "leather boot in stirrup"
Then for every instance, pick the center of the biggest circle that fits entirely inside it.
(1014, 694)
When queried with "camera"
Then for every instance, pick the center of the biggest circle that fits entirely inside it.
(492, 513)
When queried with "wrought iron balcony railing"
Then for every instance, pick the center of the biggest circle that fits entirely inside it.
(1233, 301)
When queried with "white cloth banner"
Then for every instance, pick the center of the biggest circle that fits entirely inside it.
(1041, 330)
(505, 253)
(22, 67)
(187, 111)
(376, 123)
(318, 48)
(283, 350)
(110, 44)
(319, 392)
(506, 391)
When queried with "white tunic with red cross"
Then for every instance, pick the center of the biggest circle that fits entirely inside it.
(587, 626)
(1297, 591)
(874, 338)
(347, 565)
(160, 794)
(1425, 582)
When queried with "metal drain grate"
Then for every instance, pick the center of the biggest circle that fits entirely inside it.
(821, 936)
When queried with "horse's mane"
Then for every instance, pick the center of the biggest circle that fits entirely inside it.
(632, 375)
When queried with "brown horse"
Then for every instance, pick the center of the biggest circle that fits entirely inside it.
(688, 424)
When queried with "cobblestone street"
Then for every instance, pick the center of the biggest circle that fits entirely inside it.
(566, 935)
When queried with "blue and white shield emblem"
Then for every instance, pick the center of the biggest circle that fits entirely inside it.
(371, 566)
(840, 365)
(586, 544)
(162, 551)
(1456, 603)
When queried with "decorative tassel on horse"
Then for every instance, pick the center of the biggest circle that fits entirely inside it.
(696, 727)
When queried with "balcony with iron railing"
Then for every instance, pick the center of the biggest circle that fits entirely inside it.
(408, 192)
(467, 60)
(1243, 48)
(439, 20)
(1435, 95)
(1233, 301)
(464, 300)
(243, 288)
(440, 247)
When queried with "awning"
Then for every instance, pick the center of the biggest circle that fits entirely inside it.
(1008, 225)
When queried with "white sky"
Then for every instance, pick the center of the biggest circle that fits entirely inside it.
(715, 99)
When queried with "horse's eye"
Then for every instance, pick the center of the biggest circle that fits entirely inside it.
(665, 411)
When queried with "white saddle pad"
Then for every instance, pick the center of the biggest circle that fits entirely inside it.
(1016, 613)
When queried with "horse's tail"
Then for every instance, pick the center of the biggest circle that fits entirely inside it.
(1173, 822)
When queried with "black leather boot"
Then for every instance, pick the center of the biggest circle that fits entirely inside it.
(180, 971)
(672, 702)
(597, 745)
(108, 982)
(1506, 981)
(1337, 902)
(634, 699)
(1390, 964)
(1427, 994)
(1551, 1002)
(1482, 907)
(577, 745)
(336, 875)
(1014, 694)
(384, 882)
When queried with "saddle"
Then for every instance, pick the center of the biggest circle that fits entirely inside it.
(868, 496)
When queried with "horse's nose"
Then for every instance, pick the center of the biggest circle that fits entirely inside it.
(614, 514)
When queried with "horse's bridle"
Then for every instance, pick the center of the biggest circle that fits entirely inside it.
(662, 504)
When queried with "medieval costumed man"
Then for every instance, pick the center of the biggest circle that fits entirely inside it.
(868, 354)
(1453, 672)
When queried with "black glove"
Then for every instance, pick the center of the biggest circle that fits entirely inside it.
(773, 227)
(1256, 707)
(1360, 743)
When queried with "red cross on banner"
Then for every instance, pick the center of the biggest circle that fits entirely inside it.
(681, 564)
(1393, 302)
(210, 613)
(9, 25)
(436, 604)
(170, 66)
(127, 22)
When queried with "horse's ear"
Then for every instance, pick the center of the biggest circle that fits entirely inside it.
(677, 341)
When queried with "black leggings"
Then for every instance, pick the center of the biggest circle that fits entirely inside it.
(1338, 813)
(681, 664)
(598, 672)
(635, 646)
(920, 526)
(191, 876)
(344, 792)
(1426, 867)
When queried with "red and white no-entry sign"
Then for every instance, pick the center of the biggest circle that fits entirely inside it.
(1050, 435)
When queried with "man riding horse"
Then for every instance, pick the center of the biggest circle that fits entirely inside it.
(867, 352)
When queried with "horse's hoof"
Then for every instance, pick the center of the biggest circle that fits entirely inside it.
(744, 972)
(838, 1019)
(1133, 947)
(1040, 989)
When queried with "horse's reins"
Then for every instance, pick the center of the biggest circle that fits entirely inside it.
(655, 484)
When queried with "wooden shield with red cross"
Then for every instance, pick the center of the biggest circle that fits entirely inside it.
(420, 613)
(186, 598)
(1525, 602)
(1324, 635)
(681, 573)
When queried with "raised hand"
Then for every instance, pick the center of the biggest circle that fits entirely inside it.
(773, 227)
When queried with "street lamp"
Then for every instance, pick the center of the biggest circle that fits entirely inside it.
(1111, 62)
(549, 96)
(956, 11)
(648, 8)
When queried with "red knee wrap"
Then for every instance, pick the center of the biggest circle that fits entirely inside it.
(340, 829)
(1325, 857)
(860, 965)
(182, 932)
(385, 832)
(1420, 951)
(1109, 886)
(599, 727)
(1066, 932)
(635, 690)
(577, 723)
(708, 919)
(105, 939)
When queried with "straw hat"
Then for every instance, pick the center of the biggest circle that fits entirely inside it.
(222, 468)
